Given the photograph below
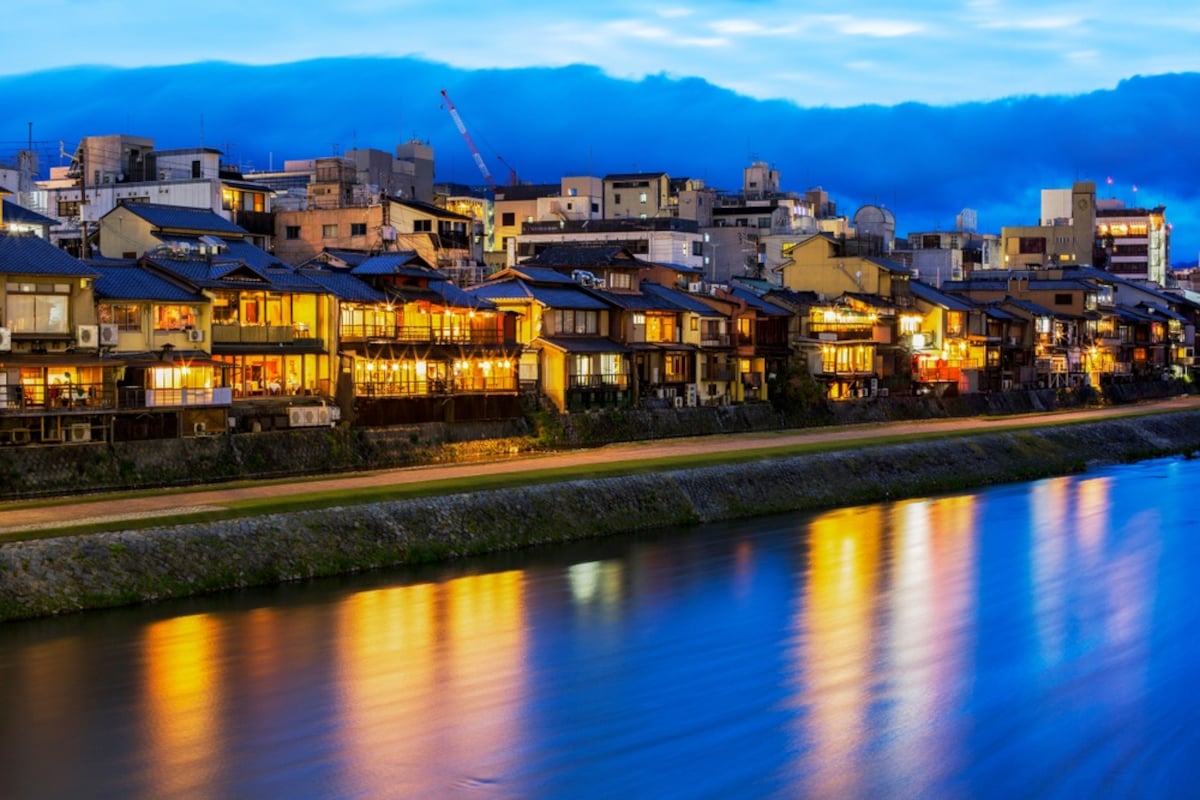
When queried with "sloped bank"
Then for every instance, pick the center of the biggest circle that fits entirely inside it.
(73, 573)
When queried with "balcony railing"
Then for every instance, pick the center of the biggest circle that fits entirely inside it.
(437, 388)
(260, 334)
(714, 340)
(423, 334)
(598, 380)
(88, 396)
(54, 397)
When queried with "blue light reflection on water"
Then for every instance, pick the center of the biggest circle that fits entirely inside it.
(1032, 640)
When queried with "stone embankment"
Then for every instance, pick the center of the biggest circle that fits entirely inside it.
(52, 576)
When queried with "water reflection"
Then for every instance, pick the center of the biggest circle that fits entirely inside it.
(181, 706)
(1025, 641)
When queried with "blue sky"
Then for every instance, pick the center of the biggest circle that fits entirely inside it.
(815, 54)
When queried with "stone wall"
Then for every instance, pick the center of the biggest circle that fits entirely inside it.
(66, 574)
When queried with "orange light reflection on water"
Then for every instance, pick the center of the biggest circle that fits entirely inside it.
(182, 701)
(884, 626)
(418, 662)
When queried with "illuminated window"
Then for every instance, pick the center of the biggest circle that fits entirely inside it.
(329, 231)
(126, 317)
(174, 317)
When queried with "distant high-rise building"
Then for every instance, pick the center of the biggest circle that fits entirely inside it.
(1132, 242)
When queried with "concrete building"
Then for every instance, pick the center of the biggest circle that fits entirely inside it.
(107, 171)
(1065, 235)
(636, 195)
(1132, 242)
(939, 256)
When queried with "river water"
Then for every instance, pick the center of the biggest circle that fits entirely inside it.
(1035, 640)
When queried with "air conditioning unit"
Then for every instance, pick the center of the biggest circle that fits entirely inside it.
(5, 340)
(678, 401)
(696, 287)
(108, 334)
(307, 416)
(79, 432)
(883, 392)
(87, 335)
(195, 335)
(200, 427)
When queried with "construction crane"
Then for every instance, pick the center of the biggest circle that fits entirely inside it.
(487, 176)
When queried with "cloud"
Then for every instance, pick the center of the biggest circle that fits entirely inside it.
(926, 163)
(951, 51)
(876, 28)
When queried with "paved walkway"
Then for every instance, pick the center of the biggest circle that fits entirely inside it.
(15, 517)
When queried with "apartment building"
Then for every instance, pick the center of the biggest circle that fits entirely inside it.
(1132, 242)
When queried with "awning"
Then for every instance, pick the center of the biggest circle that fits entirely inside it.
(582, 344)
(56, 360)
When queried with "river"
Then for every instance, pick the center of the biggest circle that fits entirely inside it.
(1028, 640)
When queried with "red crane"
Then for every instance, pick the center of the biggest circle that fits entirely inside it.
(471, 144)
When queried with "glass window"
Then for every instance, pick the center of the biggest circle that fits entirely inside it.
(358, 229)
(329, 231)
(37, 313)
(174, 318)
(292, 232)
(126, 317)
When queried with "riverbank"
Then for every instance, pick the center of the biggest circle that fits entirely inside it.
(61, 575)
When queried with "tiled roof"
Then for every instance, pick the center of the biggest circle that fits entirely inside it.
(996, 312)
(646, 301)
(345, 287)
(224, 273)
(349, 257)
(514, 289)
(536, 274)
(1028, 306)
(15, 213)
(183, 218)
(127, 281)
(582, 344)
(758, 303)
(31, 255)
(894, 267)
(405, 262)
(250, 253)
(1155, 310)
(443, 293)
(586, 256)
(929, 294)
(681, 299)
(553, 296)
